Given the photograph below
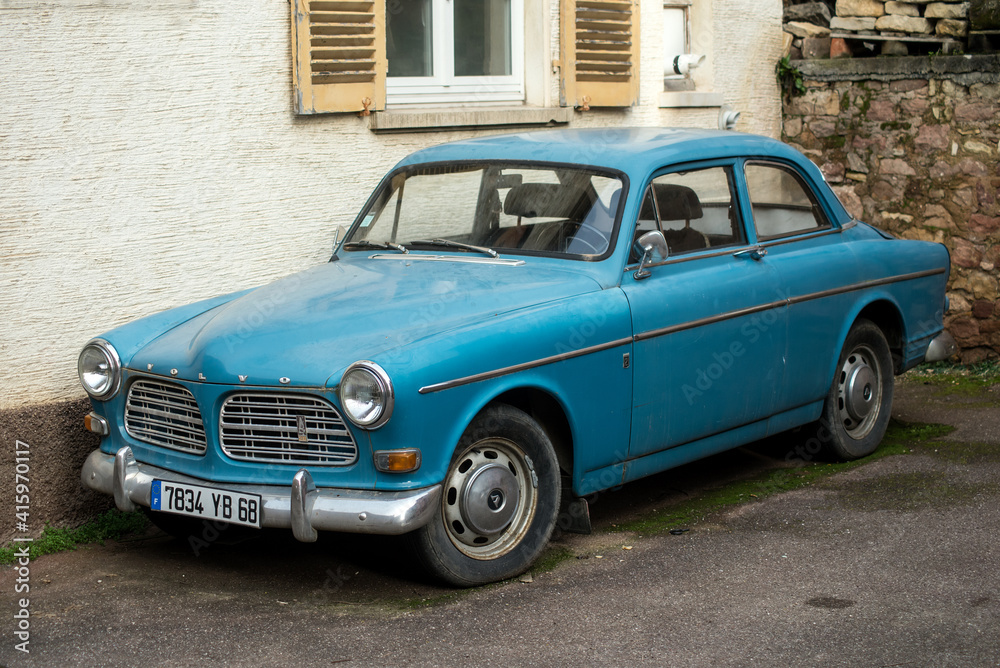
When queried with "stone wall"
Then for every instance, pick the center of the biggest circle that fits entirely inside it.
(911, 146)
(870, 27)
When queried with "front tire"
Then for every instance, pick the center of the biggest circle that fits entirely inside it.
(858, 404)
(499, 502)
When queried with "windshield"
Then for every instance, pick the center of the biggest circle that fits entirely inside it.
(508, 208)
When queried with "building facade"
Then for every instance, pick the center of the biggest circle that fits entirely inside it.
(155, 154)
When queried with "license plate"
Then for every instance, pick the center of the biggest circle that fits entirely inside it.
(206, 502)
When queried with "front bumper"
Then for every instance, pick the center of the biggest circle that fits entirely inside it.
(302, 507)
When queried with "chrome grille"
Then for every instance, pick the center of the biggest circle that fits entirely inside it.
(285, 429)
(164, 414)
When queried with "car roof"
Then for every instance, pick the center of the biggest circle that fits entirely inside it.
(634, 151)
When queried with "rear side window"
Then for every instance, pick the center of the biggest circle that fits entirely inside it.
(782, 203)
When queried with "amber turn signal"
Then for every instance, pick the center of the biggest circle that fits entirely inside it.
(397, 461)
(95, 423)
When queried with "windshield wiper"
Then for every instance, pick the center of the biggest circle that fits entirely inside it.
(365, 243)
(455, 244)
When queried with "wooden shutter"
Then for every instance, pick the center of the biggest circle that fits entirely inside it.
(340, 61)
(600, 53)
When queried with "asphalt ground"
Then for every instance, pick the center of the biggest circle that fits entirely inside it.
(893, 562)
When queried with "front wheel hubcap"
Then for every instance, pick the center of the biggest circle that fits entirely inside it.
(490, 498)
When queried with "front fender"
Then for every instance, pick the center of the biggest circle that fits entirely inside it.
(572, 349)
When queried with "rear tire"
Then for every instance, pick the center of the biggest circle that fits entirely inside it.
(499, 502)
(858, 405)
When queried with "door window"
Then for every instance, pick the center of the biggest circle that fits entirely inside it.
(694, 210)
(782, 204)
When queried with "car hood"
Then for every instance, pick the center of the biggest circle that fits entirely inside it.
(309, 326)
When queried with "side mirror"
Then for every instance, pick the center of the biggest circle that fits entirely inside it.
(650, 242)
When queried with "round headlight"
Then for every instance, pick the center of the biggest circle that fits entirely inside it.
(99, 369)
(366, 394)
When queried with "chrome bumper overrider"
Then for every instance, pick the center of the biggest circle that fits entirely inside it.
(941, 347)
(302, 507)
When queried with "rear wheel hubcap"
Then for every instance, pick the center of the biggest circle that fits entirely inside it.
(859, 392)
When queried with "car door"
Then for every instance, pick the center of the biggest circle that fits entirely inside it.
(813, 264)
(708, 321)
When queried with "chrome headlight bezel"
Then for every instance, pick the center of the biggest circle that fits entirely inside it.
(367, 371)
(110, 388)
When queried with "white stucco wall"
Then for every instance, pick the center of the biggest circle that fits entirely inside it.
(149, 157)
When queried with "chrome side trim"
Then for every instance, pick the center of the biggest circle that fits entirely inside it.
(663, 331)
(865, 284)
(728, 250)
(821, 232)
(487, 375)
(325, 509)
(788, 301)
(448, 258)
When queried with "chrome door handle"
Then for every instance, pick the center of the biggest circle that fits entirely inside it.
(754, 252)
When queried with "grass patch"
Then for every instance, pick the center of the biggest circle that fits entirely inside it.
(970, 380)
(900, 438)
(112, 525)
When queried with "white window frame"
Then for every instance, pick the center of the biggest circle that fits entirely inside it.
(444, 87)
(685, 7)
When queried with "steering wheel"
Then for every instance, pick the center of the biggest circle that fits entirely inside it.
(595, 234)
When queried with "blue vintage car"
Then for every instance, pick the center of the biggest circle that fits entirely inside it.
(512, 323)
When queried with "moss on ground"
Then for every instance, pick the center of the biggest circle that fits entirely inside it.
(907, 492)
(900, 438)
(963, 453)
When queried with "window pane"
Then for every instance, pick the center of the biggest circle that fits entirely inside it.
(674, 37)
(408, 38)
(696, 210)
(511, 208)
(781, 203)
(482, 38)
